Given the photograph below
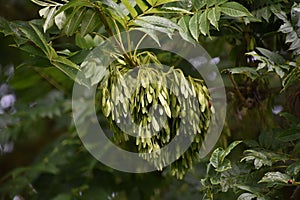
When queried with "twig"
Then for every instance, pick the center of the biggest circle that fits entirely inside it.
(236, 87)
(110, 32)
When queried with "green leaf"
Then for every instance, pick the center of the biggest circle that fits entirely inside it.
(224, 166)
(75, 4)
(276, 58)
(211, 3)
(130, 8)
(115, 7)
(289, 135)
(214, 16)
(45, 3)
(291, 37)
(151, 33)
(151, 2)
(199, 4)
(32, 50)
(85, 42)
(275, 177)
(174, 10)
(157, 23)
(34, 34)
(247, 188)
(266, 14)
(295, 44)
(248, 71)
(60, 20)
(219, 2)
(194, 27)
(48, 13)
(74, 20)
(161, 21)
(42, 39)
(293, 169)
(5, 27)
(290, 118)
(204, 23)
(259, 159)
(141, 5)
(184, 30)
(263, 157)
(90, 22)
(162, 2)
(246, 196)
(13, 29)
(152, 27)
(286, 28)
(234, 9)
(215, 157)
(229, 149)
(66, 66)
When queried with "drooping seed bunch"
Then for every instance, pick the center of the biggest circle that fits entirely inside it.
(155, 105)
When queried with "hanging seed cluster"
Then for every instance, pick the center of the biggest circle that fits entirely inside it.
(155, 106)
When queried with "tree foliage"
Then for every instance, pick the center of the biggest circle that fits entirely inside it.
(256, 45)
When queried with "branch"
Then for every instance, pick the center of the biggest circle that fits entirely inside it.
(236, 87)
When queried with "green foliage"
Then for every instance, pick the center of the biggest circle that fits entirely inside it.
(270, 61)
(258, 43)
(290, 28)
(218, 158)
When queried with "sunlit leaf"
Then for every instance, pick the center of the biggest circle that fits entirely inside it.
(275, 177)
(276, 58)
(60, 20)
(194, 27)
(141, 4)
(234, 9)
(184, 28)
(162, 2)
(49, 18)
(161, 21)
(165, 9)
(228, 150)
(214, 16)
(154, 27)
(130, 8)
(204, 23)
(246, 196)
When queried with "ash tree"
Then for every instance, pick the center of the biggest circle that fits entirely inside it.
(256, 47)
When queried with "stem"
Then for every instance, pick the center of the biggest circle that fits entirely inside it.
(138, 44)
(236, 87)
(110, 32)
